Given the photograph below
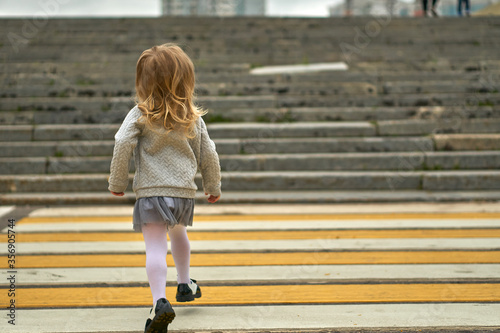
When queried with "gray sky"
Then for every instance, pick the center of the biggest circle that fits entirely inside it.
(143, 7)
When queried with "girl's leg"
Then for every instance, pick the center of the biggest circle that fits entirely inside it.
(181, 252)
(155, 238)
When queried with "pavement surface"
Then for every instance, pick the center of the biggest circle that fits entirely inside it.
(262, 268)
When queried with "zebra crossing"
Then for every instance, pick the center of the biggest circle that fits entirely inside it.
(81, 269)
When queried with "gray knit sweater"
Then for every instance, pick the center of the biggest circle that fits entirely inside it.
(166, 164)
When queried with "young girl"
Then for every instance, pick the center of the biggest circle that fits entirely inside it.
(170, 142)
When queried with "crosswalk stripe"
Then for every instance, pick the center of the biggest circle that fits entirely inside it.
(264, 235)
(262, 259)
(262, 262)
(264, 274)
(267, 245)
(349, 317)
(271, 225)
(277, 217)
(264, 294)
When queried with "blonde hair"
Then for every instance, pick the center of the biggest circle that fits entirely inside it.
(164, 87)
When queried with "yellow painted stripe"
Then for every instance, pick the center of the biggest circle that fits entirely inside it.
(270, 217)
(263, 259)
(269, 294)
(260, 235)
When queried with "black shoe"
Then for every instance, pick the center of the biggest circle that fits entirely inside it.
(160, 316)
(187, 292)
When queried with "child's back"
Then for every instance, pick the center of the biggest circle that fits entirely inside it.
(166, 163)
(170, 143)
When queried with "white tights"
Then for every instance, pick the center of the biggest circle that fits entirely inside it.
(155, 238)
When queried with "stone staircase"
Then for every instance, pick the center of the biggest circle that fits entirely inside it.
(415, 118)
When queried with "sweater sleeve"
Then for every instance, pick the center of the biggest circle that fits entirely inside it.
(209, 163)
(125, 142)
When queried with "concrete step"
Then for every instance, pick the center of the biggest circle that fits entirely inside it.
(124, 103)
(273, 115)
(461, 180)
(230, 146)
(403, 100)
(99, 132)
(232, 69)
(312, 114)
(260, 197)
(93, 104)
(280, 57)
(258, 89)
(284, 33)
(470, 180)
(255, 31)
(52, 74)
(249, 52)
(241, 115)
(291, 130)
(265, 48)
(240, 181)
(450, 125)
(58, 148)
(209, 89)
(454, 142)
(399, 161)
(122, 25)
(237, 38)
(439, 65)
(128, 68)
(436, 87)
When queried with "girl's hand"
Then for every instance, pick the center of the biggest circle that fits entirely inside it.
(212, 199)
(121, 194)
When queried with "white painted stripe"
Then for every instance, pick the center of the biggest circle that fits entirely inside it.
(289, 69)
(51, 276)
(6, 209)
(267, 245)
(260, 317)
(83, 211)
(271, 225)
(221, 209)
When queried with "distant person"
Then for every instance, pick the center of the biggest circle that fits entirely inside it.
(170, 142)
(433, 8)
(467, 7)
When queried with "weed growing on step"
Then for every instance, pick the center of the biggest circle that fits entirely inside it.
(85, 82)
(276, 117)
(217, 118)
(63, 93)
(485, 103)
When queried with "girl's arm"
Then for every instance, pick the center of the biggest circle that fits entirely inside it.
(209, 165)
(125, 141)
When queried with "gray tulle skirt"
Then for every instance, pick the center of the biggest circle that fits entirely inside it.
(164, 210)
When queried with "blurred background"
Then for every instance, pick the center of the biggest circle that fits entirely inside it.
(296, 8)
